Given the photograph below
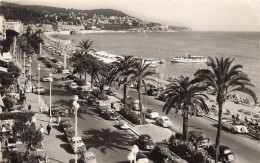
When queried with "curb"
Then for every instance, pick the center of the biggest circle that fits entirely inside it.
(208, 117)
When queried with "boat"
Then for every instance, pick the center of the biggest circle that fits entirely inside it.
(161, 61)
(153, 63)
(189, 59)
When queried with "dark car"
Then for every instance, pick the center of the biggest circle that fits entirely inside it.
(68, 134)
(110, 93)
(145, 142)
(162, 154)
(92, 100)
(110, 115)
(102, 109)
(65, 124)
(225, 153)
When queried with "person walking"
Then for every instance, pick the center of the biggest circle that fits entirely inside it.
(29, 107)
(49, 129)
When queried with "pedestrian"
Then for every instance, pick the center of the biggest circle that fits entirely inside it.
(41, 129)
(49, 129)
(29, 107)
(112, 105)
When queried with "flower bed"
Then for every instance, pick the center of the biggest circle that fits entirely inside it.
(38, 147)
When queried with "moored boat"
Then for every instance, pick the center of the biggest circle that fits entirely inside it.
(189, 59)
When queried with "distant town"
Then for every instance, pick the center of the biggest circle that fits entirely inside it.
(60, 19)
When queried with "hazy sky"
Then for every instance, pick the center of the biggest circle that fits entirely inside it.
(227, 15)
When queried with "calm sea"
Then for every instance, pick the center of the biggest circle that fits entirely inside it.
(243, 46)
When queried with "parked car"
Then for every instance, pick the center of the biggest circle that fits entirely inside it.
(59, 111)
(102, 109)
(145, 142)
(68, 134)
(225, 153)
(40, 89)
(80, 144)
(92, 100)
(88, 157)
(234, 126)
(65, 124)
(110, 115)
(123, 125)
(162, 153)
(110, 93)
(151, 113)
(141, 158)
(72, 86)
(164, 121)
(46, 78)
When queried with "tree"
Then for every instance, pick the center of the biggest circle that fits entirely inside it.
(225, 79)
(8, 102)
(140, 73)
(31, 136)
(184, 94)
(118, 69)
(15, 70)
(81, 59)
(6, 80)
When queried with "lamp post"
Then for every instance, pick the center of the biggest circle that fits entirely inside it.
(76, 107)
(24, 64)
(39, 71)
(50, 76)
(132, 155)
(30, 61)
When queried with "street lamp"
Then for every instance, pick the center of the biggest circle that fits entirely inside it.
(24, 64)
(50, 78)
(76, 107)
(39, 71)
(30, 61)
(132, 155)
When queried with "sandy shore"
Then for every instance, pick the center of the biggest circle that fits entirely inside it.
(83, 32)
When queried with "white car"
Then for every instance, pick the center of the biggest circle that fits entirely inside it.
(80, 144)
(164, 121)
(151, 113)
(123, 125)
(40, 89)
(233, 126)
(73, 86)
(88, 157)
(46, 78)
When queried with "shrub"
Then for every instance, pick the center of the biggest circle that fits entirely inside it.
(8, 102)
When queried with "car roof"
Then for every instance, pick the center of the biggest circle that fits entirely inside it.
(164, 117)
(74, 138)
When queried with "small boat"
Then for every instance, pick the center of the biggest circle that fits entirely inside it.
(153, 63)
(189, 59)
(161, 61)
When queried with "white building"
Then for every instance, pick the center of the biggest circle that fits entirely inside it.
(14, 25)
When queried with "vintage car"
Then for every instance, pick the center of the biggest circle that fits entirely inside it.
(65, 124)
(198, 138)
(46, 78)
(110, 114)
(225, 153)
(145, 142)
(164, 121)
(92, 100)
(59, 111)
(40, 89)
(234, 126)
(151, 113)
(88, 157)
(68, 134)
(80, 144)
(72, 86)
(162, 153)
(123, 125)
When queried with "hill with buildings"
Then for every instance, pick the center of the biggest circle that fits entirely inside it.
(107, 19)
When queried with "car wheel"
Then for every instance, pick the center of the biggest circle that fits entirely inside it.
(233, 130)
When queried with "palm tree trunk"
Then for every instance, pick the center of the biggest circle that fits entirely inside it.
(185, 125)
(85, 78)
(125, 90)
(140, 103)
(219, 132)
(91, 80)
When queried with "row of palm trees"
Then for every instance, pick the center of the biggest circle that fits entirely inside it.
(183, 94)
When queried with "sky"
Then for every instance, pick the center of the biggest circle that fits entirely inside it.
(202, 15)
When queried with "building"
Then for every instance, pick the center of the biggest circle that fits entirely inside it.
(2, 28)
(14, 25)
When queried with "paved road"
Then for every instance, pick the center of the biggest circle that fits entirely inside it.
(245, 147)
(102, 137)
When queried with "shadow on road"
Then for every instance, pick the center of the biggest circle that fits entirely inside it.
(67, 148)
(106, 139)
(60, 137)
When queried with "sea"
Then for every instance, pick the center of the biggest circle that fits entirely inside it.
(243, 47)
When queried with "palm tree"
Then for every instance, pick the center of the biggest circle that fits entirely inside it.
(185, 95)
(140, 74)
(118, 69)
(225, 79)
(82, 57)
